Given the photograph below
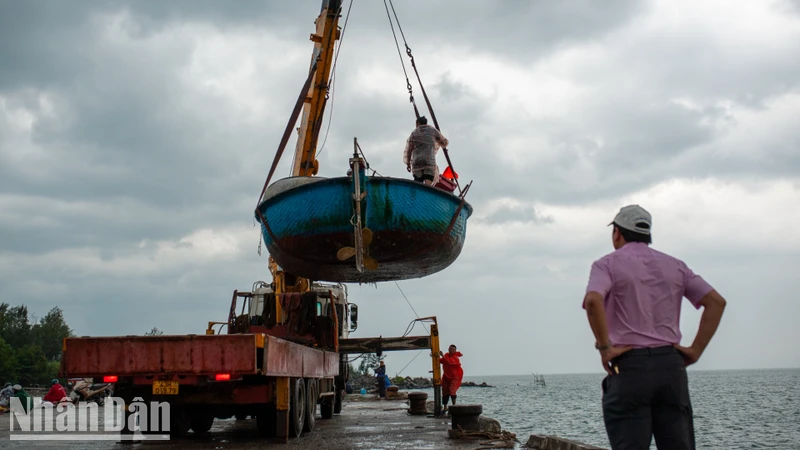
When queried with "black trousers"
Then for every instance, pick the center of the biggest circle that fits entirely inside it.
(648, 397)
(381, 387)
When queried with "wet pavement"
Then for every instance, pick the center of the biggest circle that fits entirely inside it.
(383, 424)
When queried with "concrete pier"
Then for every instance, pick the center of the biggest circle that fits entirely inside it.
(365, 423)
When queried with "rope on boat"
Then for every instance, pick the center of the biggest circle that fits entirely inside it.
(289, 127)
(366, 163)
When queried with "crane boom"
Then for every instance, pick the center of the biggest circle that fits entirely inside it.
(305, 162)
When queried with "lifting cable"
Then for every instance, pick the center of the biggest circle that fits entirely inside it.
(400, 54)
(296, 114)
(289, 126)
(409, 328)
(419, 80)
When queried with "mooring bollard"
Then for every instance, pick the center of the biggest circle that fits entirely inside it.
(417, 402)
(466, 416)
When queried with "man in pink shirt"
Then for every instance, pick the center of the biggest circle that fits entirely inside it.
(633, 302)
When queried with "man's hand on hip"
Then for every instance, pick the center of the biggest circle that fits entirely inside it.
(690, 355)
(608, 354)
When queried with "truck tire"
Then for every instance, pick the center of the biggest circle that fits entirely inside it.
(311, 405)
(297, 408)
(179, 422)
(202, 423)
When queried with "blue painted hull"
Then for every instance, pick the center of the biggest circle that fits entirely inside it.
(417, 229)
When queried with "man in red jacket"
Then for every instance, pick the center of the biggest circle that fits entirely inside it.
(451, 379)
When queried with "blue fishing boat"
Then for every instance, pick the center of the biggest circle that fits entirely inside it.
(414, 229)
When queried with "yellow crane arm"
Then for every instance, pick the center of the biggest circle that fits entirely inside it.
(305, 162)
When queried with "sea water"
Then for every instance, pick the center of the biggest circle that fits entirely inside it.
(743, 409)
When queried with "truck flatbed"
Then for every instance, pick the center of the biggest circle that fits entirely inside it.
(194, 355)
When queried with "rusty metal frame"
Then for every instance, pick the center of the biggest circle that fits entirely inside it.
(387, 344)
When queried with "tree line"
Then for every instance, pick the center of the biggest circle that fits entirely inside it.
(30, 351)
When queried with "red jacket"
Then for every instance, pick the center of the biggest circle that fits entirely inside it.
(452, 366)
(55, 394)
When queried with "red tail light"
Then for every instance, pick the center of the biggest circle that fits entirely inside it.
(110, 379)
(222, 377)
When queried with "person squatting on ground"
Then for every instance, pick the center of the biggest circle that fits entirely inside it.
(25, 400)
(453, 373)
(56, 394)
(633, 301)
(420, 153)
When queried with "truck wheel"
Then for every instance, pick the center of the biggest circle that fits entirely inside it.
(311, 405)
(202, 423)
(297, 409)
(179, 422)
(337, 405)
(326, 406)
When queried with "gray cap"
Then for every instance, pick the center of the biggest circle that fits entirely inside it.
(634, 218)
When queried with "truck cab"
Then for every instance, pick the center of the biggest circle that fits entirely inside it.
(327, 296)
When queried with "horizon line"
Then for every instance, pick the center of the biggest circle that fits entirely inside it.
(600, 373)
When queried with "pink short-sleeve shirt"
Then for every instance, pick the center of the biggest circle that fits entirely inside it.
(642, 292)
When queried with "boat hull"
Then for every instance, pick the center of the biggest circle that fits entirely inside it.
(417, 230)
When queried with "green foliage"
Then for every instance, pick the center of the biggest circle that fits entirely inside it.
(30, 352)
(8, 362)
(398, 380)
(15, 328)
(50, 332)
(32, 365)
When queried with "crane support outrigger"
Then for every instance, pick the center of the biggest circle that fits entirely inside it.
(379, 345)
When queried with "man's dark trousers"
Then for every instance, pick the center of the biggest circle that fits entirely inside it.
(648, 397)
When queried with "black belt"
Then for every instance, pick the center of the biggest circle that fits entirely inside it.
(665, 350)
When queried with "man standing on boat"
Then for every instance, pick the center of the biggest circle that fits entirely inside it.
(633, 303)
(453, 373)
(420, 153)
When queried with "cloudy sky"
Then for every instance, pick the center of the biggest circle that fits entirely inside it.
(135, 138)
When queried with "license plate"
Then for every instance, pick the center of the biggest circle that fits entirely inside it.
(165, 388)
